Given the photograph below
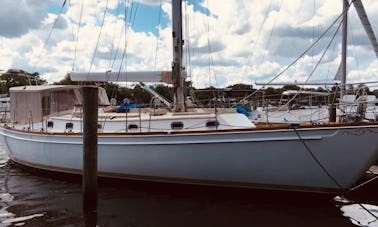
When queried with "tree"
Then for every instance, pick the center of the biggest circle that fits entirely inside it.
(140, 96)
(16, 77)
(290, 87)
(66, 81)
(241, 87)
(165, 91)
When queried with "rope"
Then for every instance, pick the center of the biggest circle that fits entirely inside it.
(345, 192)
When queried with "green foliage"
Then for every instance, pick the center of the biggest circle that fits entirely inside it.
(290, 87)
(66, 81)
(241, 87)
(165, 91)
(13, 78)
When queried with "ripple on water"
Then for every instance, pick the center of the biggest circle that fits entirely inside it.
(18, 221)
(359, 216)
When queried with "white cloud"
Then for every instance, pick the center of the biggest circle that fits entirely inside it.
(239, 42)
(19, 17)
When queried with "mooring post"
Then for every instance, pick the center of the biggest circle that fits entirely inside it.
(332, 112)
(332, 106)
(90, 120)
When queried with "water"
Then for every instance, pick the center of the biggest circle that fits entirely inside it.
(44, 199)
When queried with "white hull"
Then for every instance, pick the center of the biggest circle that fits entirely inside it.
(255, 158)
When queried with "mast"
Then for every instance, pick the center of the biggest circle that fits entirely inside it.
(178, 77)
(344, 48)
(366, 24)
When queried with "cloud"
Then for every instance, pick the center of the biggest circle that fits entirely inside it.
(226, 42)
(19, 17)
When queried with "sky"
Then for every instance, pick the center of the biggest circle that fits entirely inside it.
(226, 42)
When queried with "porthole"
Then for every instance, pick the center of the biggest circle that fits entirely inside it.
(50, 124)
(212, 123)
(177, 125)
(133, 127)
(69, 126)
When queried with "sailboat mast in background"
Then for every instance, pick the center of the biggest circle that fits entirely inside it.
(177, 68)
(344, 47)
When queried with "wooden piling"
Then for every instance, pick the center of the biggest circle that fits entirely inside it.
(332, 112)
(90, 122)
(332, 107)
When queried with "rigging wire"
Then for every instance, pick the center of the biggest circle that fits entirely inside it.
(271, 31)
(114, 54)
(124, 28)
(260, 29)
(211, 60)
(118, 47)
(49, 36)
(111, 63)
(131, 21)
(328, 75)
(188, 46)
(299, 57)
(77, 37)
(313, 30)
(317, 64)
(354, 47)
(158, 34)
(99, 36)
(136, 10)
(313, 70)
(125, 13)
(72, 22)
(207, 29)
(258, 37)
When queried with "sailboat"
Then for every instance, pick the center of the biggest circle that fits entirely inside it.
(350, 107)
(190, 146)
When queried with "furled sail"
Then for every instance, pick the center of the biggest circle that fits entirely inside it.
(140, 76)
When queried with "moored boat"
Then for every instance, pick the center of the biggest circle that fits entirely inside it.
(242, 155)
(196, 146)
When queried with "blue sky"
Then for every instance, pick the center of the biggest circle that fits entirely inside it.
(147, 18)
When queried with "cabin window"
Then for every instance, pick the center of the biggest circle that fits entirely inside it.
(69, 126)
(212, 123)
(50, 124)
(177, 125)
(132, 127)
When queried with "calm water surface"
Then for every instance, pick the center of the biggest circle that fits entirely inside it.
(43, 199)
